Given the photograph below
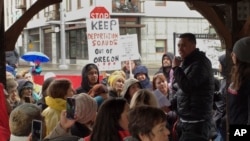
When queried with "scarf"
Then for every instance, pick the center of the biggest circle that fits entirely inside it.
(55, 103)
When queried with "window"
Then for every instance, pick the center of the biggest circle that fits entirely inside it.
(128, 21)
(160, 3)
(160, 46)
(78, 45)
(80, 4)
(126, 6)
(68, 5)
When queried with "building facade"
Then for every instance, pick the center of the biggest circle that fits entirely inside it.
(153, 21)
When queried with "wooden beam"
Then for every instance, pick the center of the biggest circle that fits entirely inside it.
(12, 34)
(245, 31)
(2, 47)
(210, 1)
(220, 27)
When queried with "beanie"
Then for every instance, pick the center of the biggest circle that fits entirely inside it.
(127, 84)
(86, 108)
(22, 84)
(242, 49)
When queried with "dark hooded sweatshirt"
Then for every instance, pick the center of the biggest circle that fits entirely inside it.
(166, 70)
(85, 87)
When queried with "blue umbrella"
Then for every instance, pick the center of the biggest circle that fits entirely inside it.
(34, 56)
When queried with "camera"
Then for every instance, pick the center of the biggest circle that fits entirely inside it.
(70, 108)
(37, 130)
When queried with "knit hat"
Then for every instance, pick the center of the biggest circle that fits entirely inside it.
(242, 49)
(86, 108)
(22, 84)
(21, 117)
(127, 84)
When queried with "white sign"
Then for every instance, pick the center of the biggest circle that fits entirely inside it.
(212, 48)
(103, 37)
(129, 47)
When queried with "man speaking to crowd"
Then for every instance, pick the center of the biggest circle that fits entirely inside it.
(194, 85)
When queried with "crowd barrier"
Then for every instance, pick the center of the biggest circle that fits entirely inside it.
(75, 79)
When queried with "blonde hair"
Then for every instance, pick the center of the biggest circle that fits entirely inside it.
(118, 72)
(115, 78)
(11, 83)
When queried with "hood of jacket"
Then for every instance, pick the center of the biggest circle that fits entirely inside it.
(169, 55)
(141, 69)
(23, 83)
(85, 82)
(127, 84)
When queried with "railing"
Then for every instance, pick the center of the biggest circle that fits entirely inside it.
(130, 6)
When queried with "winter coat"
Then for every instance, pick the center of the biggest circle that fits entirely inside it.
(52, 113)
(146, 84)
(130, 138)
(113, 93)
(36, 70)
(195, 87)
(84, 88)
(59, 134)
(166, 70)
(18, 138)
(80, 130)
(12, 58)
(239, 105)
(4, 117)
(123, 134)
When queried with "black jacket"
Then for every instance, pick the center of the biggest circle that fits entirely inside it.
(239, 105)
(195, 87)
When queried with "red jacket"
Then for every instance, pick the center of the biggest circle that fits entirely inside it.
(4, 120)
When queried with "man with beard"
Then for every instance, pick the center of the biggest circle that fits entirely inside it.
(166, 65)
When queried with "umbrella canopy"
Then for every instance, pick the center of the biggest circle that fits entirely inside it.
(34, 56)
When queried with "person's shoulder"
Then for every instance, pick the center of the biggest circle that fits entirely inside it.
(65, 138)
(130, 138)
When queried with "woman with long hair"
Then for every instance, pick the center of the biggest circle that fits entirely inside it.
(111, 122)
(239, 89)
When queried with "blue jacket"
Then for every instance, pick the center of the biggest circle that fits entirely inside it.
(146, 84)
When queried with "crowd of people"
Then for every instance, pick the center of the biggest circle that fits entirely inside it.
(182, 102)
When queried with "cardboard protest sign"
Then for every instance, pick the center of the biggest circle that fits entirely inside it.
(129, 47)
(103, 41)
